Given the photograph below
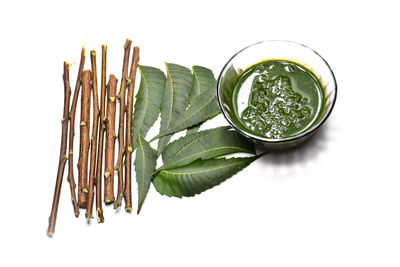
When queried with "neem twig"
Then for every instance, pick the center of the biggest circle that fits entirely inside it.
(93, 141)
(128, 136)
(121, 149)
(110, 141)
(63, 157)
(102, 128)
(71, 179)
(84, 140)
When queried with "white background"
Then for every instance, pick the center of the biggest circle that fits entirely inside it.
(335, 201)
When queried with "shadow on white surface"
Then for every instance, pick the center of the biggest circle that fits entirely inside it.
(294, 161)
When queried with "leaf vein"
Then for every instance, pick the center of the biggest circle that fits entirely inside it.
(214, 148)
(205, 171)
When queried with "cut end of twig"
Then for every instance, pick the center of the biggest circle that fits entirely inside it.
(100, 217)
(49, 234)
(128, 42)
(116, 205)
(128, 209)
(108, 201)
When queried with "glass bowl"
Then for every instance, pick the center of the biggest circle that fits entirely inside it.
(268, 50)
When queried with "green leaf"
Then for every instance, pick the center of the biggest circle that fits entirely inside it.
(198, 176)
(175, 99)
(145, 164)
(203, 80)
(205, 145)
(193, 129)
(148, 101)
(204, 107)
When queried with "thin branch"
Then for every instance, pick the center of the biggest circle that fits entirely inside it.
(99, 208)
(63, 157)
(121, 149)
(93, 141)
(84, 140)
(128, 136)
(110, 140)
(72, 113)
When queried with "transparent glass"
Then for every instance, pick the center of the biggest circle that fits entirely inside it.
(268, 50)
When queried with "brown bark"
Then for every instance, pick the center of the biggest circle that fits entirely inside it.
(128, 136)
(93, 139)
(84, 140)
(71, 179)
(110, 141)
(99, 208)
(121, 149)
(63, 157)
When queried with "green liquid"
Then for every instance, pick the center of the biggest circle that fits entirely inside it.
(277, 99)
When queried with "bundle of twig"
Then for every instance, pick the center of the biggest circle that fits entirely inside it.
(102, 138)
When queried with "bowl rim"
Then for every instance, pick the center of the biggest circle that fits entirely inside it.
(279, 140)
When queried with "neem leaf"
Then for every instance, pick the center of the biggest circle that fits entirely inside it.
(204, 107)
(193, 129)
(175, 99)
(145, 164)
(198, 176)
(148, 101)
(205, 145)
(203, 79)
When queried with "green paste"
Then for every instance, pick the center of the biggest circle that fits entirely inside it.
(277, 99)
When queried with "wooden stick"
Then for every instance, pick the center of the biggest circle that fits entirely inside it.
(71, 179)
(93, 139)
(121, 149)
(128, 136)
(99, 208)
(63, 157)
(84, 140)
(110, 141)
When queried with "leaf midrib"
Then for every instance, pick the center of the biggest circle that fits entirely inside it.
(144, 164)
(204, 151)
(147, 98)
(197, 79)
(205, 171)
(208, 102)
(172, 104)
(198, 139)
